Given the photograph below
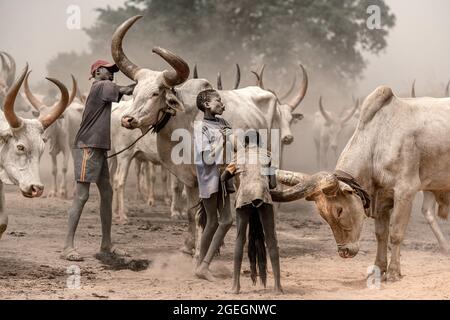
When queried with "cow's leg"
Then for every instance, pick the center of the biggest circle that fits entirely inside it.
(123, 165)
(138, 167)
(428, 210)
(151, 181)
(54, 192)
(3, 215)
(400, 218)
(166, 184)
(177, 199)
(192, 240)
(382, 217)
(65, 163)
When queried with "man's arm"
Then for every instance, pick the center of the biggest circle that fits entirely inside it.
(127, 90)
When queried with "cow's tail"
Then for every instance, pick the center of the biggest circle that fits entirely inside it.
(257, 248)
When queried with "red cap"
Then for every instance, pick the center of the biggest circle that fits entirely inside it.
(102, 63)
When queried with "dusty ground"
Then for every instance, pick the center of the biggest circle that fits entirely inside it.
(30, 267)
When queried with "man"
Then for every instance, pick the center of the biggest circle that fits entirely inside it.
(210, 139)
(90, 151)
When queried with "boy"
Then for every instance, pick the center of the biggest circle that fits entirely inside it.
(89, 154)
(254, 207)
(210, 138)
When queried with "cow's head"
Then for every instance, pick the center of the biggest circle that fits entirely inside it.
(334, 125)
(286, 115)
(338, 204)
(154, 90)
(21, 140)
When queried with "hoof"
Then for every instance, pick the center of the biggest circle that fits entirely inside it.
(52, 194)
(176, 215)
(392, 276)
(150, 202)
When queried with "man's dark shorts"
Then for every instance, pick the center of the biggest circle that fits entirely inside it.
(90, 164)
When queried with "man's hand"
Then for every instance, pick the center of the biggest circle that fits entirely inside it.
(127, 90)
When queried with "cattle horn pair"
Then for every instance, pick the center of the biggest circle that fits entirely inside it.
(171, 78)
(36, 103)
(327, 116)
(303, 185)
(10, 67)
(297, 99)
(46, 120)
(237, 81)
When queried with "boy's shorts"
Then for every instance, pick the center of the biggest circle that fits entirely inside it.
(90, 164)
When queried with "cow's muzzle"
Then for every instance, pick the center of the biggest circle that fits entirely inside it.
(33, 191)
(348, 250)
(129, 122)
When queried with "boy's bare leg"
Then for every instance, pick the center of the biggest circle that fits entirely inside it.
(79, 200)
(242, 218)
(267, 217)
(210, 205)
(225, 222)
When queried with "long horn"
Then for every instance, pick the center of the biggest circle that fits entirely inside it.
(413, 89)
(8, 108)
(125, 65)
(219, 81)
(307, 186)
(447, 89)
(350, 115)
(238, 77)
(181, 69)
(73, 94)
(302, 91)
(284, 96)
(35, 102)
(323, 112)
(12, 69)
(195, 75)
(5, 66)
(58, 109)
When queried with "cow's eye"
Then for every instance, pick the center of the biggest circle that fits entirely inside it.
(20, 147)
(155, 94)
(339, 212)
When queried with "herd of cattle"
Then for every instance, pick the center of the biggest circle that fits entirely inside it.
(396, 147)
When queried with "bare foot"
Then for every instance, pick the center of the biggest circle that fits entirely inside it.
(203, 272)
(278, 290)
(234, 290)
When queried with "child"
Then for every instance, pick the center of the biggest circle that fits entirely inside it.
(254, 208)
(210, 139)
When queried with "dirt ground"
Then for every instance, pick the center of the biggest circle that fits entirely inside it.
(30, 267)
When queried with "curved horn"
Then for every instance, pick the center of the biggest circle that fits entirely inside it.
(8, 108)
(11, 69)
(181, 69)
(284, 96)
(5, 66)
(59, 108)
(352, 112)
(195, 75)
(413, 89)
(295, 101)
(121, 60)
(219, 81)
(322, 181)
(447, 89)
(238, 77)
(35, 102)
(323, 112)
(73, 94)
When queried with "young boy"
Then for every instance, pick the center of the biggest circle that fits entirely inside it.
(251, 165)
(210, 139)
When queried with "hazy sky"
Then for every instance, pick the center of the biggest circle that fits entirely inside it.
(418, 47)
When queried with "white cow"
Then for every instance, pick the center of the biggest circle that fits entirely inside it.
(160, 104)
(401, 146)
(60, 136)
(145, 153)
(327, 129)
(22, 144)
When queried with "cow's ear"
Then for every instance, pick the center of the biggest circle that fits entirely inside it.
(297, 116)
(345, 188)
(173, 102)
(5, 135)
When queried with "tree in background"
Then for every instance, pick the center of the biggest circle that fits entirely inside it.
(328, 36)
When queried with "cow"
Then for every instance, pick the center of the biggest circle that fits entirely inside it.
(146, 157)
(327, 129)
(7, 75)
(60, 136)
(166, 102)
(400, 146)
(22, 144)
